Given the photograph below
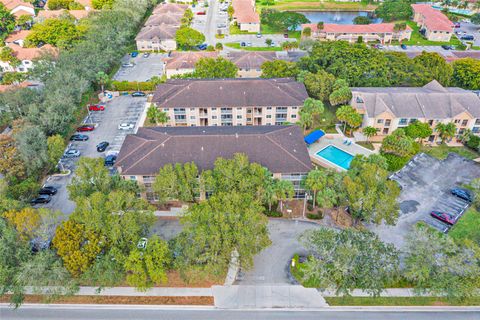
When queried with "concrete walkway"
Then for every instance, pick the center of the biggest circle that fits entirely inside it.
(260, 297)
(173, 212)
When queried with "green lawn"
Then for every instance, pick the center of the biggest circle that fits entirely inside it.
(468, 227)
(236, 45)
(442, 151)
(316, 5)
(396, 301)
(418, 39)
(326, 121)
(366, 144)
(234, 29)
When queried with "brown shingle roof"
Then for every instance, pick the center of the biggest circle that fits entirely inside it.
(170, 8)
(163, 32)
(252, 59)
(240, 92)
(187, 60)
(281, 149)
(164, 18)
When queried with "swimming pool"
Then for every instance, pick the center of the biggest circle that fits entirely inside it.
(336, 156)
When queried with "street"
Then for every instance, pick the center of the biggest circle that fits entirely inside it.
(119, 312)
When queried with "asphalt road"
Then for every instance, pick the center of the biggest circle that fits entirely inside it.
(143, 68)
(31, 312)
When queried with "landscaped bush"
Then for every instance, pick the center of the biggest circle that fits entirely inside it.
(132, 86)
(474, 142)
(394, 162)
(314, 215)
(273, 214)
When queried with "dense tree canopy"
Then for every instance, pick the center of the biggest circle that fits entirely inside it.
(466, 73)
(282, 20)
(436, 66)
(188, 38)
(7, 21)
(391, 10)
(279, 69)
(215, 68)
(348, 260)
(60, 32)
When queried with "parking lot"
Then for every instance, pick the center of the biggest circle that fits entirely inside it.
(469, 28)
(142, 68)
(123, 109)
(426, 183)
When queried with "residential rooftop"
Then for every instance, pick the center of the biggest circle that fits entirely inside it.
(164, 18)
(433, 19)
(187, 60)
(432, 101)
(162, 32)
(244, 11)
(77, 14)
(239, 92)
(255, 59)
(170, 8)
(281, 149)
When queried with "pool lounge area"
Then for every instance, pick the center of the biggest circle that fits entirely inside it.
(332, 151)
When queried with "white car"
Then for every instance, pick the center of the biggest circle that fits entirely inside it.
(126, 126)
(71, 153)
(127, 65)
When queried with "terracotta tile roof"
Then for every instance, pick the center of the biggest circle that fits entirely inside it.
(77, 14)
(354, 28)
(433, 19)
(252, 59)
(281, 149)
(239, 92)
(12, 4)
(162, 32)
(164, 18)
(29, 53)
(6, 87)
(187, 60)
(17, 35)
(85, 3)
(244, 11)
(22, 12)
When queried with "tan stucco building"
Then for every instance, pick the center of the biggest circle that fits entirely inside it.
(388, 109)
(433, 23)
(245, 15)
(230, 102)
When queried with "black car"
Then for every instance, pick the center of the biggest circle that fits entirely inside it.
(110, 160)
(138, 94)
(467, 37)
(102, 146)
(48, 190)
(79, 137)
(447, 47)
(462, 194)
(43, 198)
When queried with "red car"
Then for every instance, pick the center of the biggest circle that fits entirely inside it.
(444, 217)
(96, 107)
(85, 128)
(201, 13)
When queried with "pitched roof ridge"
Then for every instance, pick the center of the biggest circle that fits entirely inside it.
(148, 153)
(420, 105)
(135, 149)
(267, 135)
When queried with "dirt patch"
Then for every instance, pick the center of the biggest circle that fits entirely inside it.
(175, 280)
(341, 218)
(200, 301)
(296, 207)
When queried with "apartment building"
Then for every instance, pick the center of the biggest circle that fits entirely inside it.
(383, 32)
(179, 63)
(19, 7)
(280, 149)
(230, 102)
(390, 108)
(245, 15)
(433, 23)
(158, 32)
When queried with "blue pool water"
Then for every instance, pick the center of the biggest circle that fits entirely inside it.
(336, 156)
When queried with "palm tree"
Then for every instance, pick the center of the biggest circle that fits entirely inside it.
(162, 117)
(343, 114)
(466, 135)
(455, 3)
(320, 25)
(446, 130)
(369, 132)
(306, 120)
(102, 79)
(315, 181)
(283, 190)
(152, 114)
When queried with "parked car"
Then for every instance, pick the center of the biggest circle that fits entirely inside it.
(96, 107)
(249, 44)
(203, 46)
(243, 44)
(138, 94)
(201, 13)
(403, 46)
(110, 160)
(447, 47)
(43, 198)
(467, 37)
(79, 137)
(48, 190)
(146, 54)
(259, 35)
(126, 126)
(102, 146)
(462, 194)
(85, 128)
(457, 25)
(134, 54)
(71, 153)
(127, 65)
(285, 35)
(444, 217)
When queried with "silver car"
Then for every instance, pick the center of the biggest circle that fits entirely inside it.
(126, 126)
(71, 153)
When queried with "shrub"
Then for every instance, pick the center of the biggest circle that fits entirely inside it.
(132, 86)
(395, 162)
(314, 216)
(273, 214)
(473, 142)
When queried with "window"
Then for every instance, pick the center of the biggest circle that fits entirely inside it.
(359, 100)
(239, 117)
(134, 178)
(192, 109)
(214, 108)
(294, 108)
(239, 108)
(387, 122)
(294, 116)
(269, 116)
(464, 122)
(476, 130)
(403, 122)
(385, 131)
(457, 121)
(379, 121)
(214, 117)
(192, 117)
(269, 108)
(165, 110)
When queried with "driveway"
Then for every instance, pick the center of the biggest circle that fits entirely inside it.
(167, 228)
(469, 28)
(419, 49)
(119, 110)
(143, 68)
(426, 184)
(271, 265)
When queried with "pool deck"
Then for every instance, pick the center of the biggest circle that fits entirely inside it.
(337, 141)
